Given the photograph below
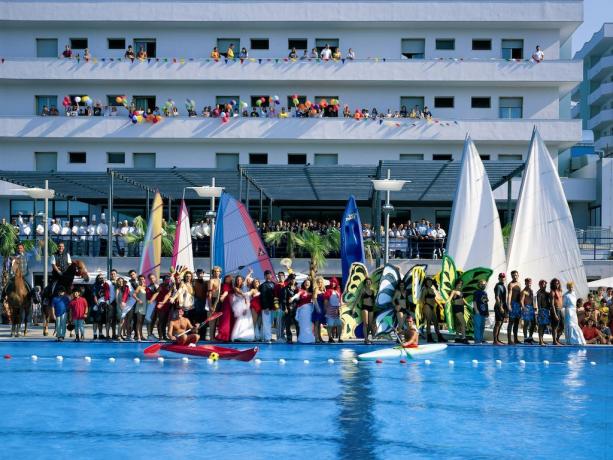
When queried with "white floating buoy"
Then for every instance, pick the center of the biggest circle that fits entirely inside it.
(210, 361)
(475, 362)
(451, 362)
(185, 359)
(545, 362)
(354, 361)
(593, 363)
(34, 358)
(111, 360)
(258, 361)
(522, 362)
(282, 361)
(330, 361)
(306, 361)
(498, 362)
(137, 360)
(87, 359)
(160, 359)
(427, 362)
(59, 358)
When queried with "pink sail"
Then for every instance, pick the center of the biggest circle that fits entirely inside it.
(152, 247)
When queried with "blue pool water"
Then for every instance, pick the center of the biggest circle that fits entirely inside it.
(106, 410)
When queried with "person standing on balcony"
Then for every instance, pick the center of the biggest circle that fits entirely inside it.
(215, 54)
(314, 54)
(230, 52)
(538, 55)
(337, 56)
(142, 54)
(129, 54)
(244, 54)
(326, 53)
(293, 54)
(67, 53)
(350, 54)
(86, 55)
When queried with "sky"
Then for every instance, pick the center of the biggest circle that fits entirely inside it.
(595, 13)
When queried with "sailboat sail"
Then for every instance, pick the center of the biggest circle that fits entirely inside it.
(475, 233)
(182, 253)
(152, 246)
(543, 242)
(352, 244)
(238, 246)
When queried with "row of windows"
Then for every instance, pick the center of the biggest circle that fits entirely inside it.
(412, 48)
(47, 161)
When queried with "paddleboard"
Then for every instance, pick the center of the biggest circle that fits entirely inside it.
(397, 352)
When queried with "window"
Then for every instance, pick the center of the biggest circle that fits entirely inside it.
(78, 43)
(42, 101)
(117, 158)
(326, 159)
(509, 157)
(413, 48)
(258, 158)
(510, 107)
(512, 49)
(116, 43)
(77, 157)
(443, 102)
(442, 157)
(484, 157)
(143, 160)
(45, 161)
(81, 103)
(265, 103)
(224, 43)
(480, 102)
(111, 100)
(482, 44)
(411, 156)
(411, 101)
(320, 43)
(148, 44)
(290, 101)
(146, 103)
(224, 100)
(226, 160)
(298, 43)
(445, 44)
(296, 159)
(259, 44)
(46, 48)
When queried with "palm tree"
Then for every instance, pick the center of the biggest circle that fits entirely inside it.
(278, 237)
(372, 249)
(318, 247)
(168, 234)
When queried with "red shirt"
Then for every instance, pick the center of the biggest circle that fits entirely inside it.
(78, 308)
(589, 332)
(163, 291)
(304, 298)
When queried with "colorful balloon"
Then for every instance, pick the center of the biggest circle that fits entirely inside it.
(77, 99)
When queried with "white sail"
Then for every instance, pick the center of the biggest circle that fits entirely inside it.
(182, 254)
(543, 242)
(475, 234)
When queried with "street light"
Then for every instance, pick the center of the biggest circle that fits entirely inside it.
(46, 194)
(388, 185)
(212, 192)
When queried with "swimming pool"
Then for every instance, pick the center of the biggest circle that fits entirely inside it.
(99, 409)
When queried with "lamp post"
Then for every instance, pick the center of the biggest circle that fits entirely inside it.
(46, 194)
(212, 192)
(388, 185)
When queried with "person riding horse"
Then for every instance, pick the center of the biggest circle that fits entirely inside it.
(63, 273)
(60, 261)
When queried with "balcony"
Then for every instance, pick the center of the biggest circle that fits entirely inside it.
(604, 143)
(600, 95)
(604, 66)
(604, 117)
(565, 74)
(562, 133)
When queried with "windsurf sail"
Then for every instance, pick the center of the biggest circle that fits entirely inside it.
(352, 244)
(543, 242)
(238, 246)
(182, 253)
(152, 247)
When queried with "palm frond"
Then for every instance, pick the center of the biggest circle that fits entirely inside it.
(372, 249)
(8, 239)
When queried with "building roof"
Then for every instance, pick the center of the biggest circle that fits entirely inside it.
(430, 181)
(599, 42)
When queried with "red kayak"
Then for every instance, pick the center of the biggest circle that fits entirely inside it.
(204, 351)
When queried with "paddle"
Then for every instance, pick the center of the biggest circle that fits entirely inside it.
(394, 335)
(152, 349)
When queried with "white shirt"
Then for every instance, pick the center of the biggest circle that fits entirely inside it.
(102, 230)
(326, 53)
(55, 229)
(68, 260)
(440, 233)
(539, 55)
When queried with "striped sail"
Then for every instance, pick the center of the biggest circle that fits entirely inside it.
(152, 246)
(182, 253)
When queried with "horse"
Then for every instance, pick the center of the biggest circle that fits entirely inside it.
(18, 300)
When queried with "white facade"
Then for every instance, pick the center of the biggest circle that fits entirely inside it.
(463, 58)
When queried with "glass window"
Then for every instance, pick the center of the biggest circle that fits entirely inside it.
(511, 107)
(223, 100)
(77, 157)
(296, 158)
(24, 207)
(411, 156)
(227, 160)
(509, 157)
(512, 49)
(320, 43)
(326, 159)
(259, 43)
(413, 48)
(446, 44)
(484, 157)
(258, 158)
(409, 102)
(78, 43)
(46, 48)
(298, 43)
(143, 160)
(116, 157)
(224, 43)
(480, 44)
(46, 161)
(42, 101)
(442, 157)
(443, 102)
(480, 102)
(60, 208)
(116, 43)
(146, 103)
(148, 44)
(78, 208)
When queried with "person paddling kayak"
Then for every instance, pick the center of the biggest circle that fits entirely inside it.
(179, 330)
(409, 336)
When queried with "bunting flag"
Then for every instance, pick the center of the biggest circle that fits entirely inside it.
(152, 247)
(182, 252)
